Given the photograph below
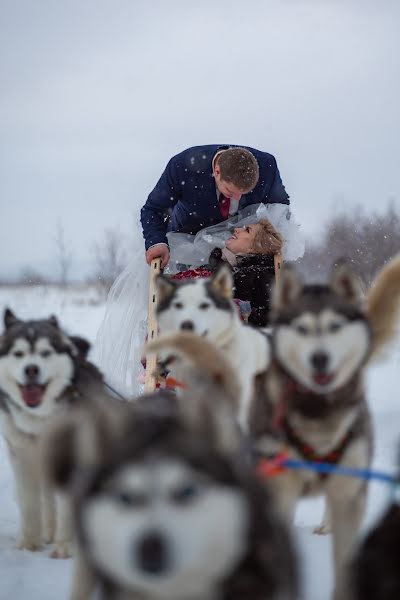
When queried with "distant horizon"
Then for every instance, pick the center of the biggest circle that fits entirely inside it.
(83, 268)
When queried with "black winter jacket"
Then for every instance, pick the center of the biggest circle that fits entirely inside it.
(253, 277)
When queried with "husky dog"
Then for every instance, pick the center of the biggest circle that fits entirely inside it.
(323, 336)
(206, 307)
(165, 506)
(40, 374)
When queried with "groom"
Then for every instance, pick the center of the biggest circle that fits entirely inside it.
(204, 185)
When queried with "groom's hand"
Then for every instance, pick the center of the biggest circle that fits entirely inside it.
(158, 251)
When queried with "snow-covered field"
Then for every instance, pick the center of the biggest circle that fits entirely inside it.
(34, 576)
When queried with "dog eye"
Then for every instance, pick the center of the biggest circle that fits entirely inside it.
(178, 305)
(185, 493)
(45, 353)
(204, 305)
(302, 329)
(132, 499)
(18, 354)
(335, 326)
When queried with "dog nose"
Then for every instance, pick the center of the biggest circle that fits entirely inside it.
(31, 372)
(319, 361)
(187, 325)
(152, 553)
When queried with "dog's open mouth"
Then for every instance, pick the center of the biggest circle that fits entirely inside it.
(323, 378)
(32, 394)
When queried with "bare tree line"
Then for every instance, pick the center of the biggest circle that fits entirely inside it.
(110, 254)
(366, 240)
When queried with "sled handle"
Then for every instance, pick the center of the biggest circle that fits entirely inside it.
(278, 264)
(152, 326)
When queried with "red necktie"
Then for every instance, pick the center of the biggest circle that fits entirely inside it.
(224, 204)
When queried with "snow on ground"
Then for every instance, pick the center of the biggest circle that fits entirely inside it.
(25, 575)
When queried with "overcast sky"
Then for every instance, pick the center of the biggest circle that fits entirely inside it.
(97, 95)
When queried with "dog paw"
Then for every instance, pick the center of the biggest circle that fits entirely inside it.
(323, 529)
(48, 537)
(61, 550)
(31, 544)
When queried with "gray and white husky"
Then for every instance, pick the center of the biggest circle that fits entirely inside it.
(206, 307)
(165, 506)
(41, 373)
(323, 337)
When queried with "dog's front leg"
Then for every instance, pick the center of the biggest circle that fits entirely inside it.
(347, 514)
(286, 489)
(246, 396)
(27, 485)
(48, 513)
(63, 535)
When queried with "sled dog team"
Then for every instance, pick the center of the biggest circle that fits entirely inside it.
(162, 497)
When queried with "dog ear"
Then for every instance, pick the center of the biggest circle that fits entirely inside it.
(165, 287)
(80, 441)
(9, 318)
(211, 390)
(53, 321)
(346, 283)
(212, 419)
(82, 345)
(222, 282)
(286, 289)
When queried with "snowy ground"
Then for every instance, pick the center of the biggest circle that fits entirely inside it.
(34, 576)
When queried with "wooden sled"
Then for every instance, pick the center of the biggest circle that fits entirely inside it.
(152, 326)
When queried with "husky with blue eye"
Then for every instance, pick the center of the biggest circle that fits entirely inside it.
(42, 372)
(166, 506)
(206, 308)
(323, 337)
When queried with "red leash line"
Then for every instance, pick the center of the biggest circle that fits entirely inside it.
(268, 467)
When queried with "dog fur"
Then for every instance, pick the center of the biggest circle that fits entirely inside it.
(323, 337)
(226, 544)
(374, 572)
(41, 374)
(206, 307)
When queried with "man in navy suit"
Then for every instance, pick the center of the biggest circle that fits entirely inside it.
(204, 185)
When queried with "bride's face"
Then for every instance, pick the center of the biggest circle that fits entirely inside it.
(242, 240)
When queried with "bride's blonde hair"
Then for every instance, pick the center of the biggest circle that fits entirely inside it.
(267, 239)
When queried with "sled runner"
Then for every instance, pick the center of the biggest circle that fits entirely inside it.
(152, 326)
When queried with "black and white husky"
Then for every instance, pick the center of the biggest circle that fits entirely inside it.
(40, 374)
(165, 506)
(323, 337)
(206, 307)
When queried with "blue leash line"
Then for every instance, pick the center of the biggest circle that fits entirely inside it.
(291, 463)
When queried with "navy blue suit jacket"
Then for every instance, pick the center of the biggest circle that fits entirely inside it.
(185, 198)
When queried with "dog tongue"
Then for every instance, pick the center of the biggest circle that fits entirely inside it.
(323, 378)
(32, 394)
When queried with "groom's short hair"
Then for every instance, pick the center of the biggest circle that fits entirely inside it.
(240, 167)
